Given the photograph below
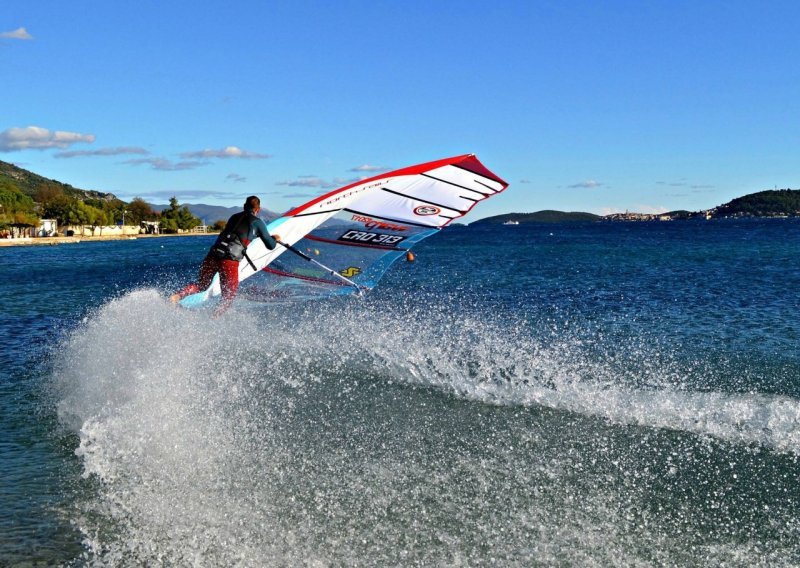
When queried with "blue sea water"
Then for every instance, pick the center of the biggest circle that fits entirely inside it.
(607, 394)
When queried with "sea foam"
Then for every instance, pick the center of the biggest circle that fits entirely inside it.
(354, 430)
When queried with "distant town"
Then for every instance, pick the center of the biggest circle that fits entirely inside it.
(777, 203)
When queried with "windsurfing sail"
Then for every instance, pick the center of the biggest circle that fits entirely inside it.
(345, 240)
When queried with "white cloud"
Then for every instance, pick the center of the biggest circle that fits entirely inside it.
(370, 169)
(119, 151)
(524, 181)
(187, 195)
(38, 138)
(162, 164)
(684, 183)
(19, 33)
(227, 152)
(650, 209)
(314, 181)
(235, 177)
(299, 196)
(588, 184)
(307, 181)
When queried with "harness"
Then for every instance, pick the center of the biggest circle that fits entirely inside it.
(229, 245)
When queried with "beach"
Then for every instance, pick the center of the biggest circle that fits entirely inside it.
(50, 241)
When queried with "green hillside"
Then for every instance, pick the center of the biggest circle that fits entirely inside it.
(26, 197)
(29, 183)
(770, 203)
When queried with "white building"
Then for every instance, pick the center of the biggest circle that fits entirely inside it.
(46, 228)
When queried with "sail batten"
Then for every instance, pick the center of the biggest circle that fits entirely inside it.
(461, 186)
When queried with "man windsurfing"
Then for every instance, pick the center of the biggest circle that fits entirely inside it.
(226, 253)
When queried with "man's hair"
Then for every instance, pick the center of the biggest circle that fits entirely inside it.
(252, 203)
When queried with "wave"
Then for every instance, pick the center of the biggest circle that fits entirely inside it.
(510, 360)
(244, 440)
(137, 341)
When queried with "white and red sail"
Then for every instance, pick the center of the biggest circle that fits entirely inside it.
(359, 230)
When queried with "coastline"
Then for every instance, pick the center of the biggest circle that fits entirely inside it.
(52, 241)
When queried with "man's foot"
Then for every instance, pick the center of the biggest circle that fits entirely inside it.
(175, 298)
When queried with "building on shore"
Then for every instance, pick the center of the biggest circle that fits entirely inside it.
(47, 228)
(150, 227)
(639, 217)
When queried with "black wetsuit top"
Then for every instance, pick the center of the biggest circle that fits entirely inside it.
(248, 227)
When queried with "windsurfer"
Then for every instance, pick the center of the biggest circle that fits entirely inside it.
(227, 251)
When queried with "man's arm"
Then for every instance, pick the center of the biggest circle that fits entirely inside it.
(269, 241)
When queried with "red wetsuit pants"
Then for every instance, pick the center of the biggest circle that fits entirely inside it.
(228, 279)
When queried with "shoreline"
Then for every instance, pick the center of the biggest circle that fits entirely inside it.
(52, 241)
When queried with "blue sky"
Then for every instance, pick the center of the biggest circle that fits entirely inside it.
(580, 106)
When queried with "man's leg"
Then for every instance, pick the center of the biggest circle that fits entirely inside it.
(229, 280)
(207, 270)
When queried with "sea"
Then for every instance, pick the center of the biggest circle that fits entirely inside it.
(587, 394)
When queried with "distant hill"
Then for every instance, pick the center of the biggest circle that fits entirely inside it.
(207, 213)
(212, 213)
(547, 216)
(770, 203)
(30, 183)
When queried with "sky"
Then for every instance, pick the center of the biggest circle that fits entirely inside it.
(581, 106)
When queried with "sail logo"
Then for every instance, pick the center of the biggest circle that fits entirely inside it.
(366, 237)
(425, 210)
(350, 271)
(371, 223)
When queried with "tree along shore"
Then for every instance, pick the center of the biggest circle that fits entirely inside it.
(50, 241)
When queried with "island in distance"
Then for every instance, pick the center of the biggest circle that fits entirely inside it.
(778, 203)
